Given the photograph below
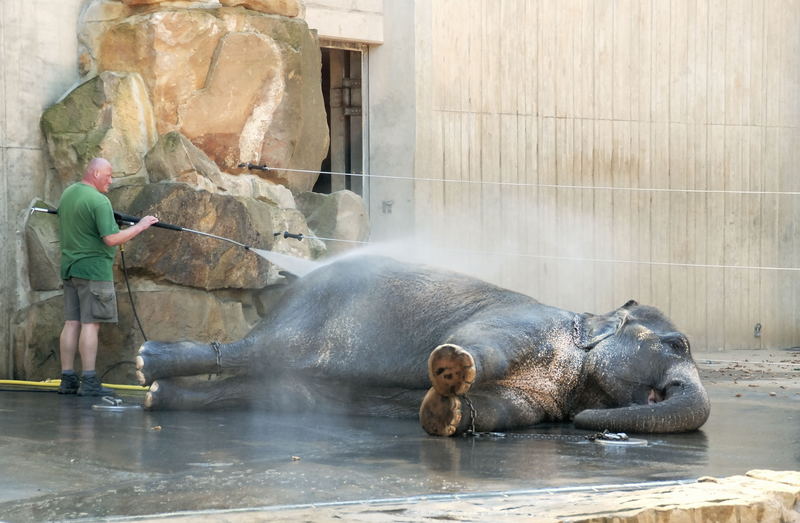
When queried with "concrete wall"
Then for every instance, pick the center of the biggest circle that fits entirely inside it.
(392, 127)
(348, 20)
(38, 63)
(588, 152)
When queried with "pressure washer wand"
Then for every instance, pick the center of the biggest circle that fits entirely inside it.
(126, 219)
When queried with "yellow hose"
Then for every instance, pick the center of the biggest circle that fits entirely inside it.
(53, 384)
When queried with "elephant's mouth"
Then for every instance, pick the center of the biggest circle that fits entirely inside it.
(655, 396)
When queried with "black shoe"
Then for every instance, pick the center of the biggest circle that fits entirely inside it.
(91, 386)
(69, 384)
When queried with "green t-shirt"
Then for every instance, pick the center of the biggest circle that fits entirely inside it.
(85, 216)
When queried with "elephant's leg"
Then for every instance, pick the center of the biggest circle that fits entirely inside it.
(187, 358)
(451, 371)
(448, 409)
(283, 394)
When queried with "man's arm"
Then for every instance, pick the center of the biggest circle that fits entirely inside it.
(124, 235)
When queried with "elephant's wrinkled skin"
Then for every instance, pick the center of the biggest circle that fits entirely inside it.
(355, 336)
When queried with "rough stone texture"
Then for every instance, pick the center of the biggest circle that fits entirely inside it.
(41, 242)
(249, 186)
(290, 8)
(167, 312)
(144, 2)
(175, 158)
(224, 85)
(91, 26)
(110, 116)
(341, 215)
(760, 496)
(294, 222)
(242, 85)
(190, 259)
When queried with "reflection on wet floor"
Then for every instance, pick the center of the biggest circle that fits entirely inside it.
(62, 459)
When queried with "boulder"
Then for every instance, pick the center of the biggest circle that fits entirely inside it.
(290, 8)
(191, 259)
(293, 221)
(44, 254)
(341, 215)
(91, 24)
(249, 186)
(167, 312)
(109, 116)
(144, 2)
(247, 88)
(175, 158)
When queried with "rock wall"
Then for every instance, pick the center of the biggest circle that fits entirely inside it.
(176, 95)
(242, 83)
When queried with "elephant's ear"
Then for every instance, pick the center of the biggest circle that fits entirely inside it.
(591, 329)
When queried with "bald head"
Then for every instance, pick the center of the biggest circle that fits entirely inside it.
(98, 174)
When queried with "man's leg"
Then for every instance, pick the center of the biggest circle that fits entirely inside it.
(87, 345)
(69, 344)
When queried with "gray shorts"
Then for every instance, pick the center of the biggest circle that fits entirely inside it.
(90, 301)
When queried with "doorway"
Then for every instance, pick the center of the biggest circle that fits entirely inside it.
(343, 67)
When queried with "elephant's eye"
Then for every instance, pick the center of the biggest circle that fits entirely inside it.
(677, 342)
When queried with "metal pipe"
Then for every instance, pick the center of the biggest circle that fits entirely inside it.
(132, 220)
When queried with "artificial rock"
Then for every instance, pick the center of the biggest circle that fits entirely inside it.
(341, 215)
(109, 115)
(177, 94)
(242, 85)
(190, 259)
(290, 8)
(175, 158)
(41, 242)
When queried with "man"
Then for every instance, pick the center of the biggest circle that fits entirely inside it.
(89, 236)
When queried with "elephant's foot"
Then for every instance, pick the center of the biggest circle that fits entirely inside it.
(202, 394)
(451, 370)
(141, 376)
(440, 415)
(150, 398)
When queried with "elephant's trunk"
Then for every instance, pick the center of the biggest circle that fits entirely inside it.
(685, 408)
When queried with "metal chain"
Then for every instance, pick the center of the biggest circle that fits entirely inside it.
(472, 433)
(215, 345)
(472, 415)
(538, 436)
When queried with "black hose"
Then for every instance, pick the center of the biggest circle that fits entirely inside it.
(130, 294)
(114, 366)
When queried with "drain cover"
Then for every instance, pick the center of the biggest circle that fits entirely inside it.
(111, 404)
(630, 442)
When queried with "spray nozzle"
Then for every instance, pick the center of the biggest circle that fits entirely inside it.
(287, 234)
(253, 166)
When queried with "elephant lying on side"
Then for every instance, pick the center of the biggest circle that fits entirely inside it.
(354, 336)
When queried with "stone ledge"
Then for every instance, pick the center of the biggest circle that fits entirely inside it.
(758, 496)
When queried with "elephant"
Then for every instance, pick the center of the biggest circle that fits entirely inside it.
(371, 335)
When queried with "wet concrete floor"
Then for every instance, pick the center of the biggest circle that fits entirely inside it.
(61, 459)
